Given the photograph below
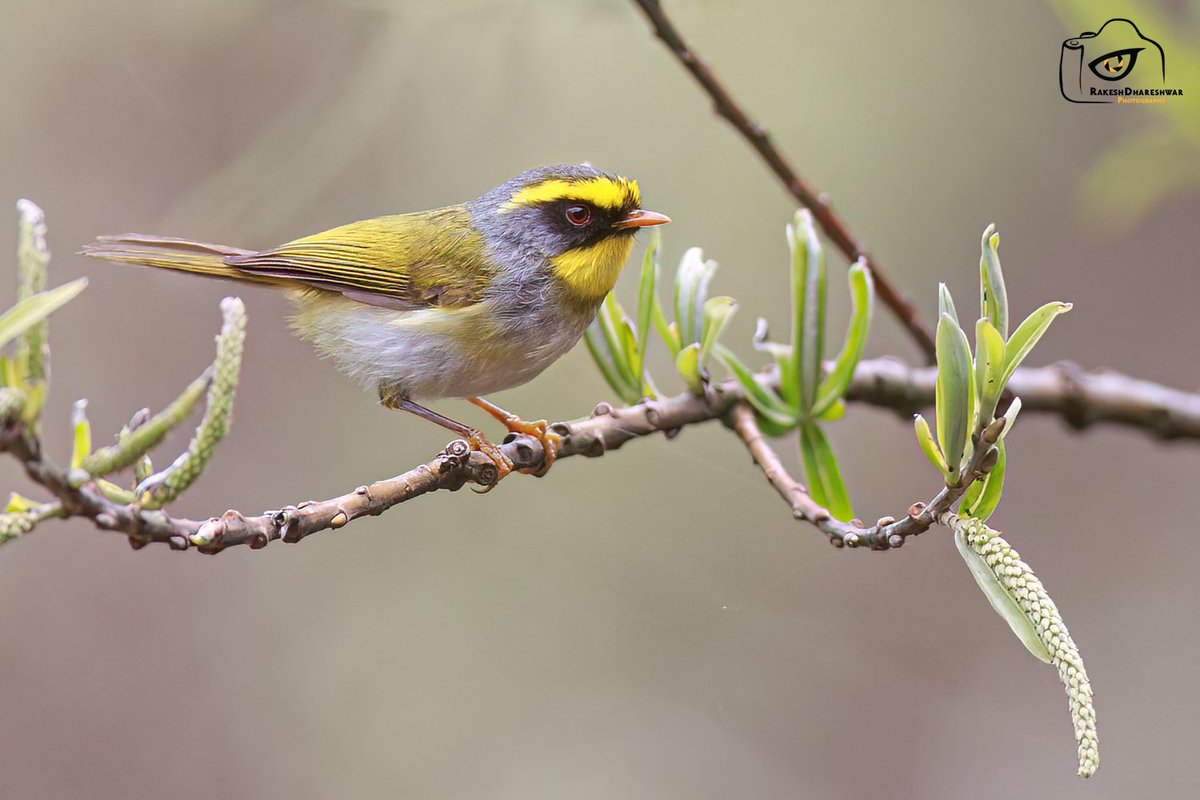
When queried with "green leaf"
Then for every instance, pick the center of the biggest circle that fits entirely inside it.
(836, 411)
(993, 299)
(1003, 602)
(691, 285)
(699, 298)
(82, 434)
(9, 375)
(808, 286)
(632, 352)
(765, 402)
(688, 364)
(34, 400)
(824, 477)
(946, 303)
(953, 392)
(668, 331)
(717, 313)
(928, 445)
(862, 293)
(610, 316)
(989, 368)
(789, 385)
(33, 310)
(598, 347)
(645, 306)
(982, 497)
(1028, 333)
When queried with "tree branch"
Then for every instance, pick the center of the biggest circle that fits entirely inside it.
(756, 134)
(1079, 398)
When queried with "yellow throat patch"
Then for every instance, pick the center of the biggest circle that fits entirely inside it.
(591, 272)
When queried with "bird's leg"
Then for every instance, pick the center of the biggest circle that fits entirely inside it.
(549, 440)
(473, 436)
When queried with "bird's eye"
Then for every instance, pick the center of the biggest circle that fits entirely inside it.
(579, 215)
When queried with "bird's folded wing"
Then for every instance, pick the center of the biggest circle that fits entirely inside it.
(408, 261)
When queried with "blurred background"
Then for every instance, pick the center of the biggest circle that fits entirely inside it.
(650, 624)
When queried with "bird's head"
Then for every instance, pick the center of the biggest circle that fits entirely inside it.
(580, 220)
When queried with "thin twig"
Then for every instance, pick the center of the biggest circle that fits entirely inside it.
(1079, 398)
(756, 134)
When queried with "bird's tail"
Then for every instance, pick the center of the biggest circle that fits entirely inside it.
(168, 252)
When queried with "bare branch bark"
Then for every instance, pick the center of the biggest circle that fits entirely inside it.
(756, 134)
(1079, 398)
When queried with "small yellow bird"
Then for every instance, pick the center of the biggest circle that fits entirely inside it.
(455, 302)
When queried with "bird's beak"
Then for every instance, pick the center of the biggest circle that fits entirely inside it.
(639, 218)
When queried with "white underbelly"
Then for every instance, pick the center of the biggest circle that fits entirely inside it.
(430, 353)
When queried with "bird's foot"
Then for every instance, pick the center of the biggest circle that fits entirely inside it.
(538, 429)
(481, 444)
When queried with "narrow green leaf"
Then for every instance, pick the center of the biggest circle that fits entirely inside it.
(1003, 602)
(598, 347)
(812, 469)
(699, 298)
(645, 306)
(812, 353)
(928, 445)
(764, 401)
(668, 331)
(953, 391)
(797, 241)
(993, 299)
(610, 316)
(717, 313)
(629, 343)
(946, 303)
(82, 434)
(33, 310)
(9, 375)
(687, 287)
(35, 398)
(688, 364)
(989, 369)
(1028, 333)
(862, 293)
(822, 470)
(834, 412)
(982, 497)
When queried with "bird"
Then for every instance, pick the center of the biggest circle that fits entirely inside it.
(455, 302)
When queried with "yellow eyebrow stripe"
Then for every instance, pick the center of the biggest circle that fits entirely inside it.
(602, 192)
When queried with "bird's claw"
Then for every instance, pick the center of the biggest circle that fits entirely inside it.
(503, 464)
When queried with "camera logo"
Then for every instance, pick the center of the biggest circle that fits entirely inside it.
(1116, 64)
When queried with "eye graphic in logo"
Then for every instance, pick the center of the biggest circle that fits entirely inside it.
(1096, 67)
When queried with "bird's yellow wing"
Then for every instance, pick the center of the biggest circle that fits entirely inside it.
(421, 260)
